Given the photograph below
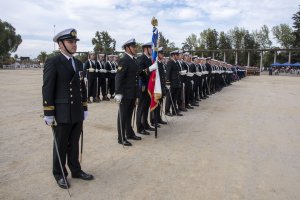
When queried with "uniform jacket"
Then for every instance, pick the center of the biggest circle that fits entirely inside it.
(101, 65)
(64, 91)
(172, 74)
(87, 65)
(126, 77)
(162, 76)
(144, 62)
(110, 66)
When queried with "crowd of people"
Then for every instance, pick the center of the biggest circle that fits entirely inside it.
(69, 85)
(185, 81)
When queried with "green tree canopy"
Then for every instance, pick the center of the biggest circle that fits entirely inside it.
(103, 42)
(192, 41)
(262, 37)
(209, 39)
(42, 56)
(237, 37)
(9, 40)
(224, 41)
(283, 33)
(165, 43)
(296, 26)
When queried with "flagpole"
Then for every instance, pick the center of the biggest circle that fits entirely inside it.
(154, 22)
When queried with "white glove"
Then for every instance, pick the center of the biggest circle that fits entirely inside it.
(96, 70)
(190, 74)
(113, 71)
(91, 69)
(153, 67)
(183, 72)
(198, 73)
(192, 82)
(118, 98)
(85, 115)
(49, 120)
(168, 87)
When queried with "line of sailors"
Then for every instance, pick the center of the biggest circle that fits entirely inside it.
(100, 76)
(192, 78)
(185, 80)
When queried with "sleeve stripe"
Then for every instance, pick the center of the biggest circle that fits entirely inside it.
(49, 107)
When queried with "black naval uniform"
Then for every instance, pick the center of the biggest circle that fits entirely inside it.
(172, 77)
(101, 79)
(187, 85)
(209, 77)
(126, 85)
(111, 77)
(144, 100)
(92, 78)
(64, 97)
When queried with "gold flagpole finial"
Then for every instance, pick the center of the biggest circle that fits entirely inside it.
(154, 21)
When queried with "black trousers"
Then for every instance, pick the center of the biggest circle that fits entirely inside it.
(111, 85)
(175, 92)
(205, 86)
(92, 84)
(158, 110)
(126, 110)
(67, 138)
(143, 111)
(102, 86)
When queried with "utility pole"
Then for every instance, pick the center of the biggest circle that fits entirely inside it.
(53, 36)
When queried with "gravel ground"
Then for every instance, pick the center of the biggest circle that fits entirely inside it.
(241, 143)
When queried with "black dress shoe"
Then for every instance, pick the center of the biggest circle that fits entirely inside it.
(169, 114)
(134, 137)
(105, 98)
(61, 183)
(158, 126)
(143, 132)
(195, 104)
(82, 175)
(189, 107)
(183, 109)
(178, 114)
(149, 128)
(125, 143)
(162, 122)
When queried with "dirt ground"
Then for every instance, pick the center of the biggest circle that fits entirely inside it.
(241, 143)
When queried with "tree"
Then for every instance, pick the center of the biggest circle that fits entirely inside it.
(165, 43)
(42, 57)
(237, 37)
(9, 40)
(224, 41)
(192, 41)
(209, 39)
(262, 37)
(103, 42)
(283, 33)
(250, 43)
(296, 26)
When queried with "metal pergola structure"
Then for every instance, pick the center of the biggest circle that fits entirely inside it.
(226, 51)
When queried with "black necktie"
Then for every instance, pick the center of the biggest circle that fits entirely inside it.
(70, 60)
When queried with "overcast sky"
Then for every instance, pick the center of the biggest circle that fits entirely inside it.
(34, 20)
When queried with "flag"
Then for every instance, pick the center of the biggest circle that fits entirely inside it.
(154, 87)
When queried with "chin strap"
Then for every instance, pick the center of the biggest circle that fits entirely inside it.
(66, 47)
(130, 50)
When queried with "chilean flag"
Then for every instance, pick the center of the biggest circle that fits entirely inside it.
(154, 87)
